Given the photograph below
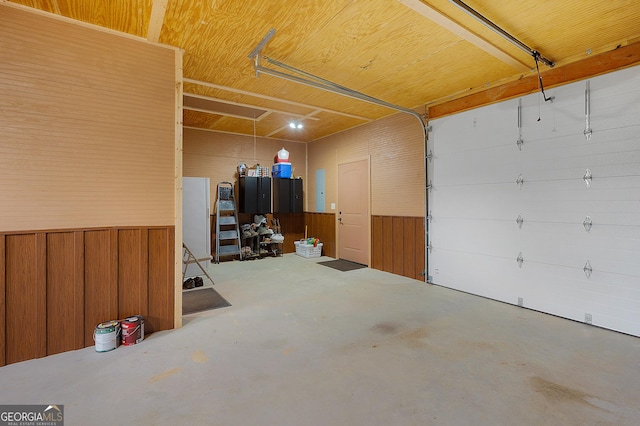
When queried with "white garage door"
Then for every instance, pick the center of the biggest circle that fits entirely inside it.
(483, 220)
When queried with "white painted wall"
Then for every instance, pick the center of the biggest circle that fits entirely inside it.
(475, 202)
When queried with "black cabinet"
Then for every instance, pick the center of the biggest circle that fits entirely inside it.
(287, 196)
(255, 195)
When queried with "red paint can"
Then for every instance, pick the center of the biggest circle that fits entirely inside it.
(132, 330)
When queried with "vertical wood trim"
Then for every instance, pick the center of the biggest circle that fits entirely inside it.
(101, 279)
(25, 297)
(41, 296)
(65, 290)
(298, 232)
(3, 318)
(397, 249)
(177, 230)
(79, 286)
(420, 249)
(377, 250)
(173, 270)
(161, 276)
(409, 243)
(322, 226)
(398, 245)
(132, 272)
(292, 225)
(387, 242)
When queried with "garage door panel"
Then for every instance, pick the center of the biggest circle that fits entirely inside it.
(554, 121)
(473, 236)
(565, 245)
(607, 141)
(463, 132)
(574, 207)
(573, 163)
(504, 202)
(614, 117)
(543, 293)
(479, 201)
(466, 271)
(554, 254)
(475, 202)
(577, 295)
(615, 101)
(553, 244)
(454, 169)
(623, 321)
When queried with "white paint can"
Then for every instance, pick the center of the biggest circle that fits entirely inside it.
(107, 336)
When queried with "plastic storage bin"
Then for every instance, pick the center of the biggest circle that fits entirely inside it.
(281, 170)
(308, 250)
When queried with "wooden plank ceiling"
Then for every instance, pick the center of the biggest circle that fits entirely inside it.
(412, 53)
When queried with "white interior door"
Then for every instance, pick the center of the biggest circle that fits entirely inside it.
(483, 220)
(353, 211)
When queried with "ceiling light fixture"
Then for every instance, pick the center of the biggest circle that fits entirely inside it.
(296, 125)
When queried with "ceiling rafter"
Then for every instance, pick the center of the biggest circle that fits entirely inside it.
(204, 129)
(225, 114)
(258, 118)
(158, 11)
(273, 98)
(444, 21)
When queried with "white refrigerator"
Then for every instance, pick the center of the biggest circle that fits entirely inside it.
(196, 222)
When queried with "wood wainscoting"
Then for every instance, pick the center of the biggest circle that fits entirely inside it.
(322, 226)
(319, 225)
(292, 225)
(56, 286)
(397, 245)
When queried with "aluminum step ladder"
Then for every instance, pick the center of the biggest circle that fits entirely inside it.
(227, 227)
(188, 258)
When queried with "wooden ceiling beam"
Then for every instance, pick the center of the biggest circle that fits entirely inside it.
(449, 24)
(157, 19)
(258, 118)
(273, 98)
(619, 58)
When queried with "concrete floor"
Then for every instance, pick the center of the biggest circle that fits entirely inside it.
(304, 344)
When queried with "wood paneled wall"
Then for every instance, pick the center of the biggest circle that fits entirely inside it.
(88, 126)
(322, 226)
(319, 225)
(395, 148)
(292, 228)
(56, 286)
(216, 155)
(398, 245)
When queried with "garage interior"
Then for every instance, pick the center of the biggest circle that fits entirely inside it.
(501, 171)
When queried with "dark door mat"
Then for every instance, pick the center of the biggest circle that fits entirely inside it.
(204, 299)
(342, 265)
